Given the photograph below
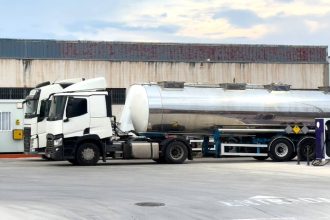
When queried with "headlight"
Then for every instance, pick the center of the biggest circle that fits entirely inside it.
(58, 142)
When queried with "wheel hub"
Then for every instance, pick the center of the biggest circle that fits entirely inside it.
(281, 149)
(176, 152)
(88, 154)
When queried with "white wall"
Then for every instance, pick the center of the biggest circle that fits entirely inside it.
(19, 73)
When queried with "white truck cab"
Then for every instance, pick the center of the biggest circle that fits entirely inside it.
(81, 130)
(36, 112)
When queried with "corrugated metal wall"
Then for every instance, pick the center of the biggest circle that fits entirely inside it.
(166, 52)
(28, 73)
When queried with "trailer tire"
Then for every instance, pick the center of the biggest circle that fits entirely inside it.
(281, 149)
(302, 146)
(176, 152)
(261, 157)
(294, 154)
(87, 154)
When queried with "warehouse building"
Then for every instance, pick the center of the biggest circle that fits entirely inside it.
(25, 63)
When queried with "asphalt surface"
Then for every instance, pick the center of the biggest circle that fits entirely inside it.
(200, 189)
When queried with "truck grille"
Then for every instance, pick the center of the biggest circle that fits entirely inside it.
(50, 144)
(27, 139)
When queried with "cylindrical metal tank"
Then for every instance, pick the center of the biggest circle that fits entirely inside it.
(155, 107)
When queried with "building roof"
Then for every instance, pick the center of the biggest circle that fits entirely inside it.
(166, 52)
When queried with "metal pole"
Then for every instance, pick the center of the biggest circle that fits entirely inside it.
(298, 155)
(307, 155)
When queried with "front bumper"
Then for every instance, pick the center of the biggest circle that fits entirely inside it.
(27, 140)
(54, 152)
(31, 145)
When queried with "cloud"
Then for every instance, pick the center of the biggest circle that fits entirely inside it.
(240, 18)
(221, 29)
(315, 26)
(202, 21)
(95, 26)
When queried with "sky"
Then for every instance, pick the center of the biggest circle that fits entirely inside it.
(288, 22)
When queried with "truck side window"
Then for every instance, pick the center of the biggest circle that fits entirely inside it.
(76, 107)
(44, 109)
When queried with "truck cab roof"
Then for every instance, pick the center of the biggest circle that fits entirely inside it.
(82, 93)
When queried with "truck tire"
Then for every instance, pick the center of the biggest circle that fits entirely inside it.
(261, 157)
(281, 149)
(44, 157)
(159, 160)
(303, 144)
(176, 152)
(73, 161)
(87, 154)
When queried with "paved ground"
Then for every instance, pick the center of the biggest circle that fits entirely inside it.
(201, 189)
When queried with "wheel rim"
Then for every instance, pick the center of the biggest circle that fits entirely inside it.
(88, 154)
(176, 152)
(281, 150)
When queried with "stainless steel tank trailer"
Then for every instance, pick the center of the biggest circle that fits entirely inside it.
(160, 120)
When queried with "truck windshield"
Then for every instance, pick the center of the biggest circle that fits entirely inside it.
(31, 108)
(57, 108)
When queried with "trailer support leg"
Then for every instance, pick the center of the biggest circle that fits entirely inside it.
(298, 155)
(217, 142)
(205, 146)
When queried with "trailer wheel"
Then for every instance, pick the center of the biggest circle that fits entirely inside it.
(303, 145)
(87, 154)
(281, 149)
(294, 154)
(261, 157)
(176, 152)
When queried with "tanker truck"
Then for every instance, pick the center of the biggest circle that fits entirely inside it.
(159, 121)
(36, 106)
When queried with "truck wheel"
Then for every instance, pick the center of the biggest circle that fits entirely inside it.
(261, 157)
(303, 145)
(88, 154)
(73, 161)
(44, 157)
(159, 160)
(281, 149)
(176, 152)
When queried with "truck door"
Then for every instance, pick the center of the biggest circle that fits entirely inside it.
(76, 119)
(41, 125)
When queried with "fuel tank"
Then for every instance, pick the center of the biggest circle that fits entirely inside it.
(186, 107)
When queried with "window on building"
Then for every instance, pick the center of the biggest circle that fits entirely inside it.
(14, 93)
(5, 121)
(118, 96)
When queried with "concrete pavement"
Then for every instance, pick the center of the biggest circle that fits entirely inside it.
(237, 189)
